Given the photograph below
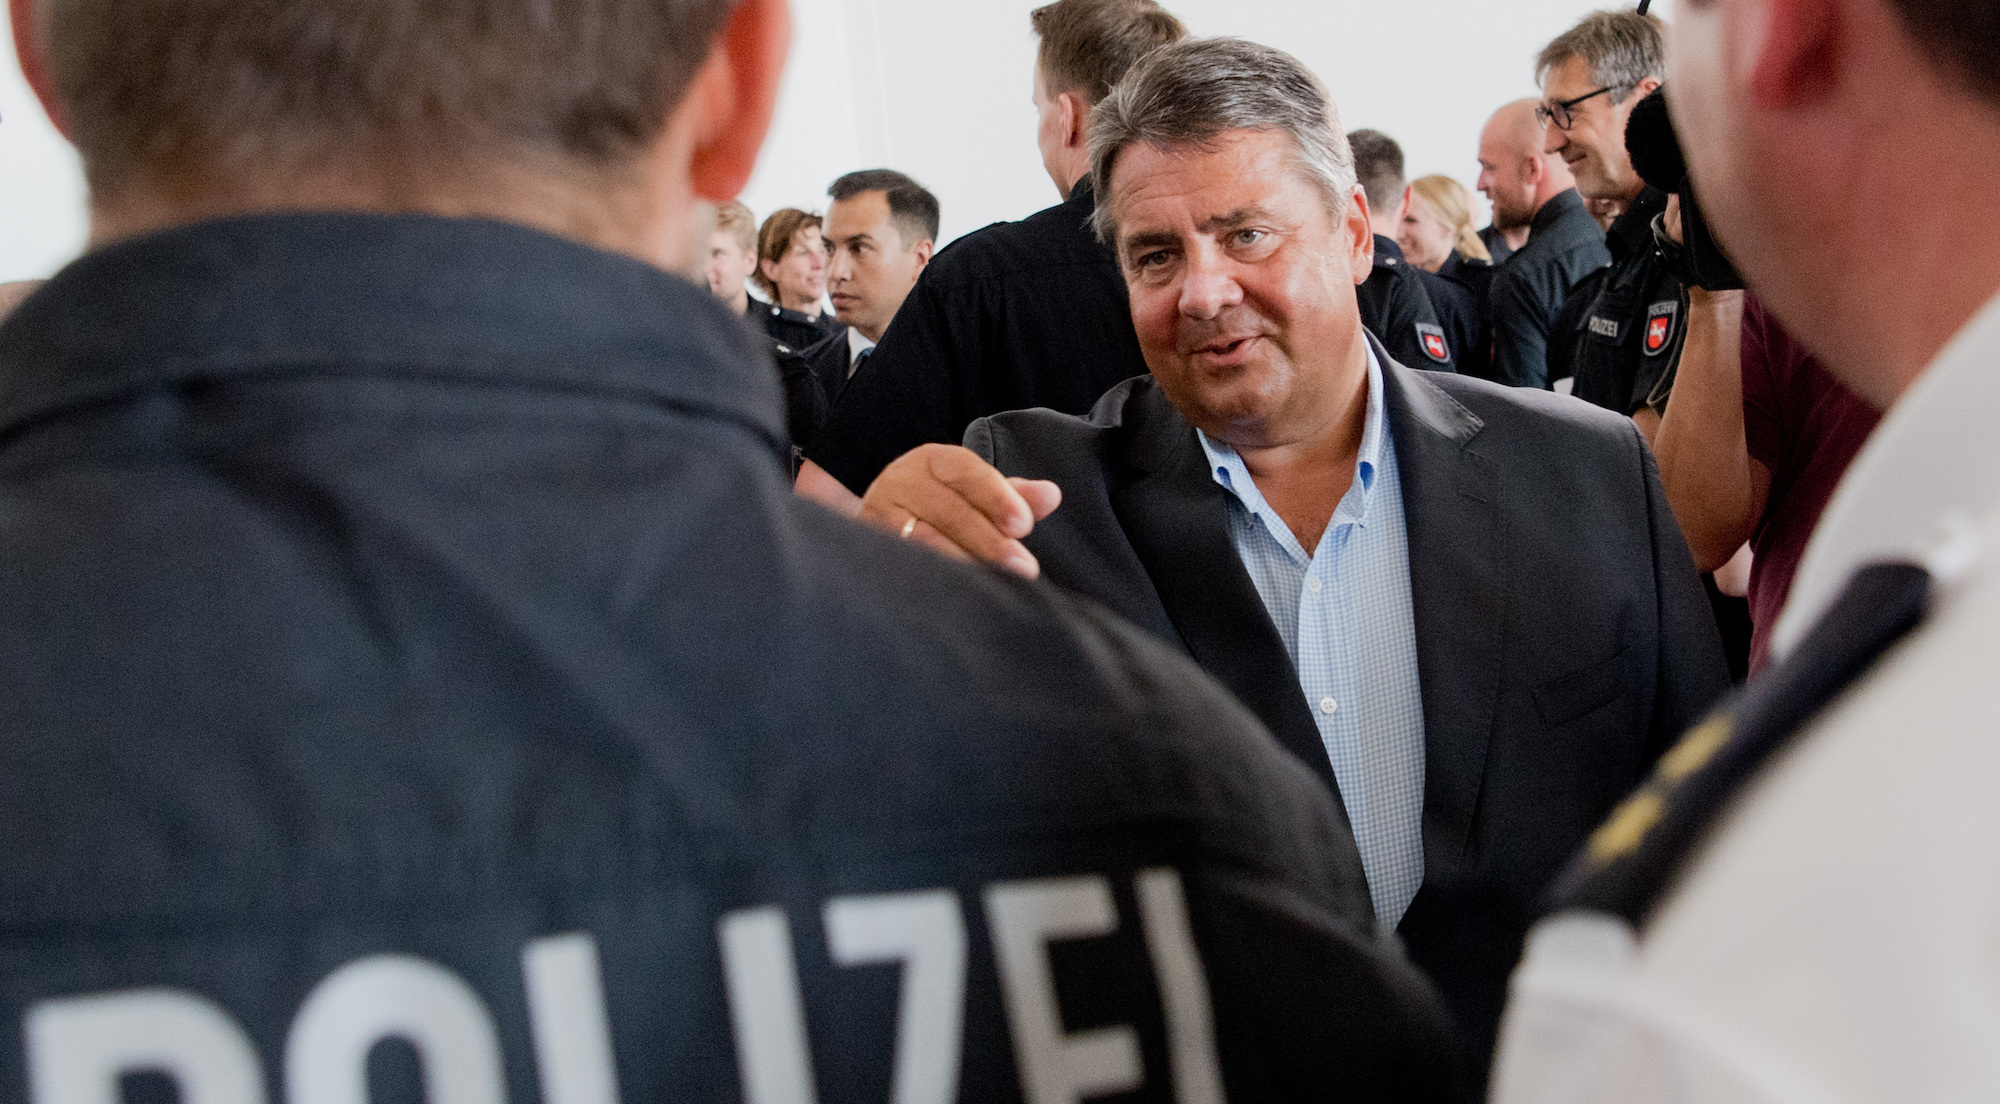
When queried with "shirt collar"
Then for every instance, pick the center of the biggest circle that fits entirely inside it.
(857, 343)
(1228, 469)
(409, 296)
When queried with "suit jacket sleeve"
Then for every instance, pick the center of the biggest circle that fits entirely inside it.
(979, 438)
(1520, 334)
(1693, 673)
(905, 394)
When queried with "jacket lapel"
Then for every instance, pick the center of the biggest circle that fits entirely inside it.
(1174, 514)
(1453, 508)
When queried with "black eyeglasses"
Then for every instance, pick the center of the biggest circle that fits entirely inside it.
(1562, 114)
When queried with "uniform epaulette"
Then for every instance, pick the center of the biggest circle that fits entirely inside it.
(1632, 861)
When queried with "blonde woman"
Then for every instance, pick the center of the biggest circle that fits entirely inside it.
(1437, 234)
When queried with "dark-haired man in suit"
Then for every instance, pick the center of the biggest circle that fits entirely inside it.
(1466, 606)
(880, 232)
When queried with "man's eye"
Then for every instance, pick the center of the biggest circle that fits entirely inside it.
(1248, 237)
(1154, 259)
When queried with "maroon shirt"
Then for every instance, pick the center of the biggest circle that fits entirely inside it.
(1806, 428)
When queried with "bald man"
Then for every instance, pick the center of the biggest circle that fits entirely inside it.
(1533, 189)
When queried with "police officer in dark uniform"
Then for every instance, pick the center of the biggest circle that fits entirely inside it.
(410, 638)
(791, 266)
(795, 331)
(1424, 320)
(1620, 332)
(1397, 307)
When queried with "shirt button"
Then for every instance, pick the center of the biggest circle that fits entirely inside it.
(1328, 705)
(1313, 585)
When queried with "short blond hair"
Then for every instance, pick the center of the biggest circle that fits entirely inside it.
(1447, 199)
(741, 224)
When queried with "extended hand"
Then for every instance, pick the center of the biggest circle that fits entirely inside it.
(953, 501)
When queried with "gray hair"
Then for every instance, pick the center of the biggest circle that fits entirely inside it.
(1192, 92)
(1622, 48)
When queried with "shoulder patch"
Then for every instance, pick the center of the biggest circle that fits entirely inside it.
(1660, 320)
(1431, 338)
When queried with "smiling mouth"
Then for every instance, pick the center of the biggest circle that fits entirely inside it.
(1224, 349)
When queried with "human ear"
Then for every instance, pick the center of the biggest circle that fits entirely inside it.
(1794, 60)
(28, 49)
(1072, 119)
(1360, 236)
(735, 94)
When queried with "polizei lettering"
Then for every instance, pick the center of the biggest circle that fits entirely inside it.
(78, 1048)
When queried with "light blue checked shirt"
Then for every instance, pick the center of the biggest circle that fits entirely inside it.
(1346, 617)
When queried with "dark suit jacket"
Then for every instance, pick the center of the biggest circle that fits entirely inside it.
(828, 360)
(387, 585)
(1563, 639)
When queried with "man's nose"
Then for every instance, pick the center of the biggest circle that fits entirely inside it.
(1208, 288)
(1554, 138)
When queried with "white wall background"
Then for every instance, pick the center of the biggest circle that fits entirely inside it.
(939, 89)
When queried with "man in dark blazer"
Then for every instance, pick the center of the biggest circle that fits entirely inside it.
(1561, 637)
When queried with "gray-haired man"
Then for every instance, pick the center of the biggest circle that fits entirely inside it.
(1620, 332)
(1466, 606)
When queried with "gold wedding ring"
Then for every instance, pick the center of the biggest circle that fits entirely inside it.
(909, 527)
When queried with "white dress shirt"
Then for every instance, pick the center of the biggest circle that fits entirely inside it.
(857, 344)
(1837, 939)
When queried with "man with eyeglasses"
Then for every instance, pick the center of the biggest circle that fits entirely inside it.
(1620, 331)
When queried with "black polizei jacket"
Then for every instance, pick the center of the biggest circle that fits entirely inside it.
(420, 683)
(1396, 307)
(1563, 638)
(1621, 331)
